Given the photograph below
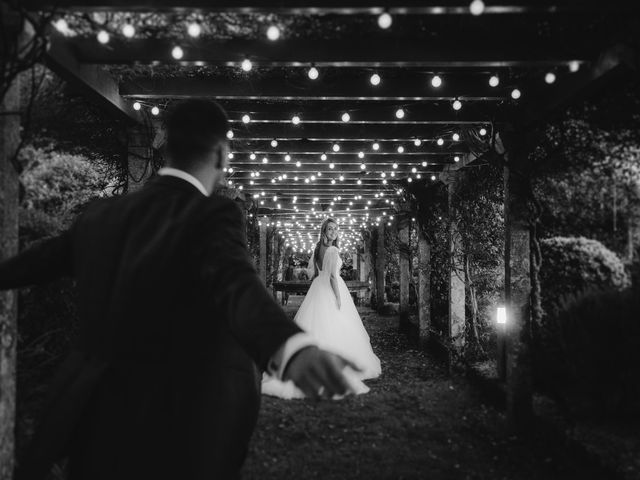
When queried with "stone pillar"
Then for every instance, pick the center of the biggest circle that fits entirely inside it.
(263, 250)
(9, 187)
(139, 155)
(456, 291)
(517, 287)
(405, 279)
(366, 275)
(380, 267)
(424, 288)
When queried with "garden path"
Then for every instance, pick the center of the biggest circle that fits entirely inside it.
(416, 423)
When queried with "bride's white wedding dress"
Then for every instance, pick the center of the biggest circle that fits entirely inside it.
(336, 330)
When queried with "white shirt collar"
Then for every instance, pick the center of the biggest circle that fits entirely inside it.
(187, 177)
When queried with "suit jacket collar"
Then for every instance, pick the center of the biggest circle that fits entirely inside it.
(174, 183)
(187, 177)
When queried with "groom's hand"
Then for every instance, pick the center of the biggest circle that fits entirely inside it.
(318, 373)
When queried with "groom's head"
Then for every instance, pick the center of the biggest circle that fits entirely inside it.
(197, 135)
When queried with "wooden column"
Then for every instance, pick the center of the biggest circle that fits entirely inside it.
(456, 291)
(263, 250)
(380, 267)
(139, 154)
(9, 141)
(405, 279)
(424, 288)
(517, 286)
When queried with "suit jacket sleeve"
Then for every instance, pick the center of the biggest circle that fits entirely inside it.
(253, 316)
(42, 262)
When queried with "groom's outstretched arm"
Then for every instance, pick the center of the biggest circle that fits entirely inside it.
(253, 316)
(42, 262)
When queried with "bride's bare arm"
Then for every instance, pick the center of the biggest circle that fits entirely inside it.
(334, 285)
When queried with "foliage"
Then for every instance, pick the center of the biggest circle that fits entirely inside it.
(575, 264)
(590, 358)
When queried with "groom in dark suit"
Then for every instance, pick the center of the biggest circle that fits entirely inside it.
(161, 383)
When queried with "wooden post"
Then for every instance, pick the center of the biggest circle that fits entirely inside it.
(380, 267)
(367, 265)
(263, 250)
(10, 139)
(517, 286)
(405, 280)
(456, 274)
(424, 289)
(139, 155)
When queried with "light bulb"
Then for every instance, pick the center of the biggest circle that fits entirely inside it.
(362, 166)
(265, 160)
(61, 25)
(456, 159)
(477, 7)
(137, 106)
(375, 79)
(103, 37)
(336, 147)
(574, 66)
(298, 164)
(155, 111)
(376, 146)
(494, 81)
(177, 53)
(457, 104)
(433, 177)
(440, 142)
(274, 143)
(194, 29)
(229, 134)
(230, 156)
(436, 81)
(360, 154)
(323, 157)
(246, 65)
(295, 120)
(424, 164)
(273, 33)
(252, 156)
(384, 20)
(456, 137)
(483, 131)
(313, 73)
(550, 78)
(287, 158)
(331, 165)
(395, 165)
(128, 30)
(417, 142)
(516, 94)
(346, 117)
(246, 118)
(400, 113)
(400, 149)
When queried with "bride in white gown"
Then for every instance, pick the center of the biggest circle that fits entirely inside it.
(329, 315)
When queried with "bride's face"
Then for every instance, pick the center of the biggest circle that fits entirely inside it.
(331, 231)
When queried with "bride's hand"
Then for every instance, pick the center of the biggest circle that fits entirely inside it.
(318, 373)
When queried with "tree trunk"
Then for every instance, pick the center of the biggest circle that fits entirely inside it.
(424, 289)
(380, 267)
(263, 250)
(405, 254)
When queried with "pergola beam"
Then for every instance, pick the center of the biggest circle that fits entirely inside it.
(92, 79)
(337, 7)
(317, 146)
(446, 53)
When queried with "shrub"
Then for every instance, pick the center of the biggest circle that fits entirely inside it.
(591, 355)
(571, 265)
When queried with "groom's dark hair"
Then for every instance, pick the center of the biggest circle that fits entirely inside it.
(194, 128)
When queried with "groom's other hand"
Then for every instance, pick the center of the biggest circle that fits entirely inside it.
(318, 373)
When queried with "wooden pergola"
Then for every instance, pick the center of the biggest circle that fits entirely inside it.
(501, 72)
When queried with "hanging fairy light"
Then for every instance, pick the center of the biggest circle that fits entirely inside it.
(395, 165)
(440, 142)
(433, 177)
(375, 79)
(360, 154)
(273, 33)
(287, 158)
(194, 29)
(476, 7)
(550, 78)
(574, 66)
(128, 30)
(436, 81)
(424, 164)
(385, 20)
(516, 94)
(336, 147)
(155, 111)
(61, 25)
(246, 65)
(457, 104)
(331, 165)
(417, 142)
(456, 159)
(246, 118)
(177, 52)
(313, 73)
(103, 37)
(346, 117)
(483, 131)
(494, 81)
(265, 160)
(400, 149)
(230, 156)
(400, 113)
(229, 134)
(456, 137)
(137, 106)
(376, 146)
(363, 166)
(298, 164)
(274, 143)
(252, 156)
(323, 157)
(295, 119)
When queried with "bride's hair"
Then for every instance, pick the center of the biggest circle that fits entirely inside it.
(316, 252)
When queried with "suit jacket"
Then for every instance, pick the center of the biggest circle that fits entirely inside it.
(173, 320)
